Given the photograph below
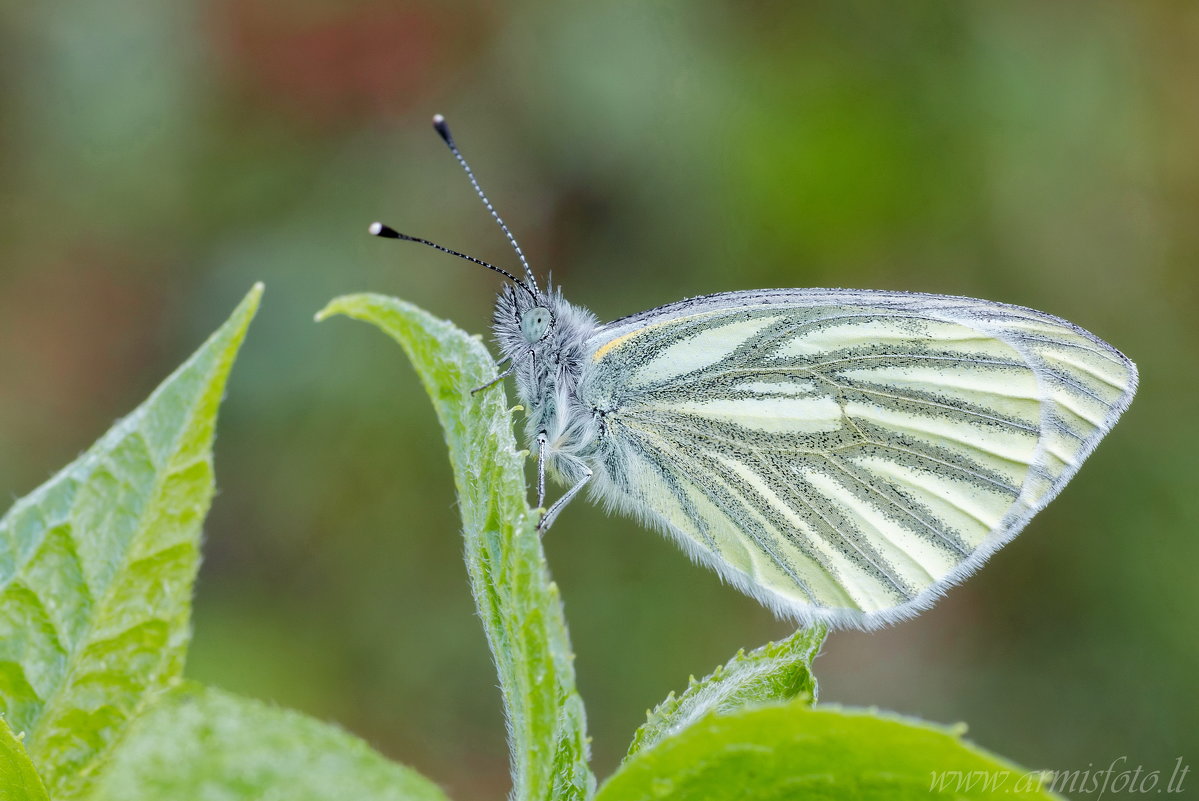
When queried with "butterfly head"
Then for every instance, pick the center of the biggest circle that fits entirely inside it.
(526, 318)
(535, 323)
(522, 320)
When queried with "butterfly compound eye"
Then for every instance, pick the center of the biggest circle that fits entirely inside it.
(535, 322)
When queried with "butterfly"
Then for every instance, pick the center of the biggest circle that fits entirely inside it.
(843, 456)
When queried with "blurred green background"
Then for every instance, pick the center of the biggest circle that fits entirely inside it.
(157, 158)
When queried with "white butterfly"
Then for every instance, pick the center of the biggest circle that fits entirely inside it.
(843, 456)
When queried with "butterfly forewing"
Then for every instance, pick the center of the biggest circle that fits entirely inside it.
(841, 455)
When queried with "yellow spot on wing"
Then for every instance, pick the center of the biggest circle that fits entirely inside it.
(603, 349)
(607, 346)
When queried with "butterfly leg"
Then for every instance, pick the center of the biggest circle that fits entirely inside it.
(547, 519)
(512, 367)
(541, 439)
(494, 381)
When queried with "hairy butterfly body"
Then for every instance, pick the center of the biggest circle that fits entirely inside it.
(843, 456)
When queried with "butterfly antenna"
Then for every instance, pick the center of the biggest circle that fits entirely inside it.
(387, 232)
(443, 130)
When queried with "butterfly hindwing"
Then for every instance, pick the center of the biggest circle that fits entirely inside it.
(846, 455)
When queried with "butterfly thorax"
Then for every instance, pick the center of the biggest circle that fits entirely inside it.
(548, 367)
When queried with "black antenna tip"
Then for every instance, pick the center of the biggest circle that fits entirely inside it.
(385, 231)
(443, 130)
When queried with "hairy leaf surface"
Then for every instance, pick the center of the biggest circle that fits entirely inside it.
(18, 778)
(792, 751)
(518, 603)
(97, 566)
(207, 744)
(777, 671)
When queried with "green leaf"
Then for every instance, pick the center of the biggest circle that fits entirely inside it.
(203, 743)
(97, 566)
(777, 671)
(18, 779)
(518, 604)
(792, 751)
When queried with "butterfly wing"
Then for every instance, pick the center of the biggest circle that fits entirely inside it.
(844, 456)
